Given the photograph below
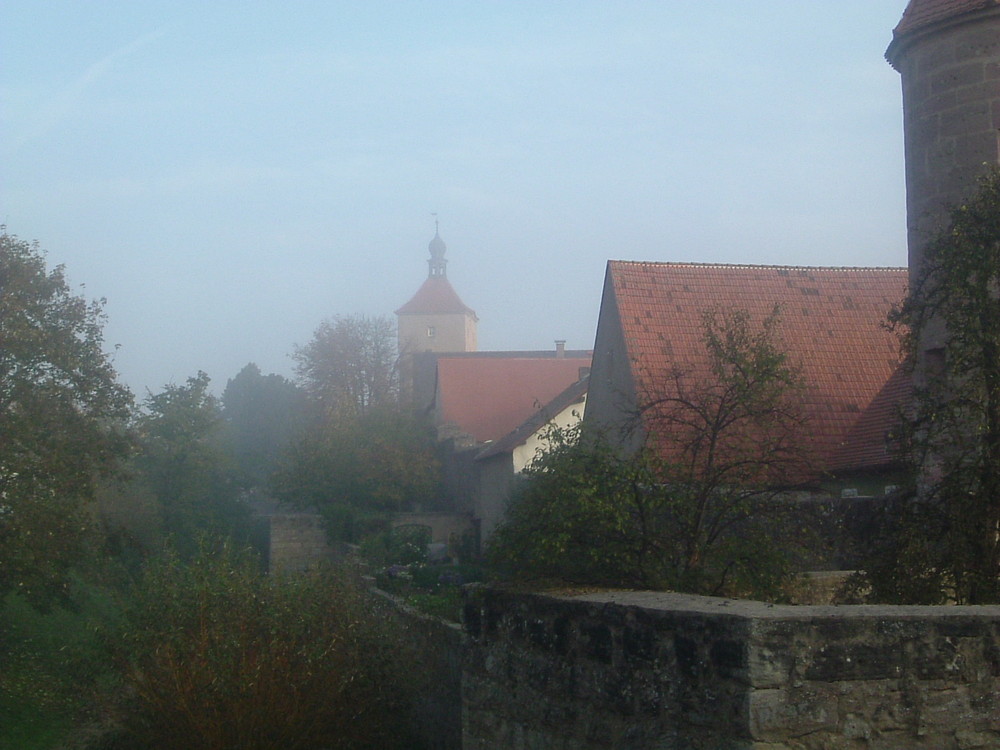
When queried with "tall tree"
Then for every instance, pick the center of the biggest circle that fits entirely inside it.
(62, 417)
(182, 464)
(694, 509)
(945, 538)
(262, 414)
(350, 365)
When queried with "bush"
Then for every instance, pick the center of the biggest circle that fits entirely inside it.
(54, 669)
(215, 655)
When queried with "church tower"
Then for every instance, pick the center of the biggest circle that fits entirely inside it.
(435, 319)
(948, 55)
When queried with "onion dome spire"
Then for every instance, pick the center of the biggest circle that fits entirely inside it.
(436, 264)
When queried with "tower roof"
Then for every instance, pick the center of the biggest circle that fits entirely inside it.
(921, 14)
(435, 295)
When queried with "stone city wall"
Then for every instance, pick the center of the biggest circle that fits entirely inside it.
(653, 670)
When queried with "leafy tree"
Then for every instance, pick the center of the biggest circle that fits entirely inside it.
(699, 506)
(262, 414)
(943, 538)
(349, 366)
(380, 463)
(62, 418)
(181, 463)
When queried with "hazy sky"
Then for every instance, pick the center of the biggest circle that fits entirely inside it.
(227, 174)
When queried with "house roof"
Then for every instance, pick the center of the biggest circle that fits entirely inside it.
(575, 394)
(922, 13)
(831, 323)
(436, 295)
(487, 395)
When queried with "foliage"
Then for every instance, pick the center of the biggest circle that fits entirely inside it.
(54, 668)
(435, 590)
(219, 656)
(262, 414)
(401, 545)
(698, 507)
(181, 463)
(349, 367)
(62, 417)
(381, 463)
(943, 544)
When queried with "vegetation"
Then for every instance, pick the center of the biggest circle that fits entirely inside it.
(262, 415)
(355, 471)
(941, 538)
(118, 628)
(349, 367)
(362, 456)
(62, 421)
(697, 507)
(216, 655)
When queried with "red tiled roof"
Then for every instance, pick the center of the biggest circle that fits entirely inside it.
(488, 396)
(830, 323)
(576, 393)
(870, 442)
(435, 295)
(922, 13)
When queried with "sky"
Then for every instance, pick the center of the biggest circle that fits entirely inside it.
(228, 174)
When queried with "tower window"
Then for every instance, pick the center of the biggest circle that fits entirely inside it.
(430, 332)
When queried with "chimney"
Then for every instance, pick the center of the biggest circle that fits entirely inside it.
(560, 348)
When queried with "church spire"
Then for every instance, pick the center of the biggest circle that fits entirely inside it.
(436, 264)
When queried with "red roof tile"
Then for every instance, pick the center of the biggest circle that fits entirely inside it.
(830, 323)
(488, 396)
(922, 13)
(435, 295)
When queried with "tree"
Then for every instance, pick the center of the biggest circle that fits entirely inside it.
(262, 414)
(350, 365)
(944, 537)
(62, 418)
(379, 463)
(181, 463)
(696, 508)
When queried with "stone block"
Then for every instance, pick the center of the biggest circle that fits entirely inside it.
(778, 714)
(967, 118)
(955, 76)
(980, 42)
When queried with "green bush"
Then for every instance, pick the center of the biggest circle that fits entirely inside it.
(216, 656)
(54, 668)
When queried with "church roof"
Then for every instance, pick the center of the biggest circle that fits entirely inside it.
(435, 296)
(922, 13)
(487, 395)
(830, 323)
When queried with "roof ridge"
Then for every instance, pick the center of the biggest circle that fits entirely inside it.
(763, 266)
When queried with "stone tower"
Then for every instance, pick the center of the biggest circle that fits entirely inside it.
(435, 319)
(948, 55)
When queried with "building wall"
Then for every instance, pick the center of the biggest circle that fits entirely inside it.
(611, 398)
(655, 670)
(453, 332)
(297, 542)
(951, 115)
(525, 453)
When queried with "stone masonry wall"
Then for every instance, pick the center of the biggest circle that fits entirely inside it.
(297, 542)
(648, 670)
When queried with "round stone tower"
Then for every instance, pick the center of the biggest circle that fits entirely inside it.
(948, 55)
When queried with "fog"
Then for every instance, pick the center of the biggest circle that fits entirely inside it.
(228, 174)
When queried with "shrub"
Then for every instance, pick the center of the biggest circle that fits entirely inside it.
(218, 656)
